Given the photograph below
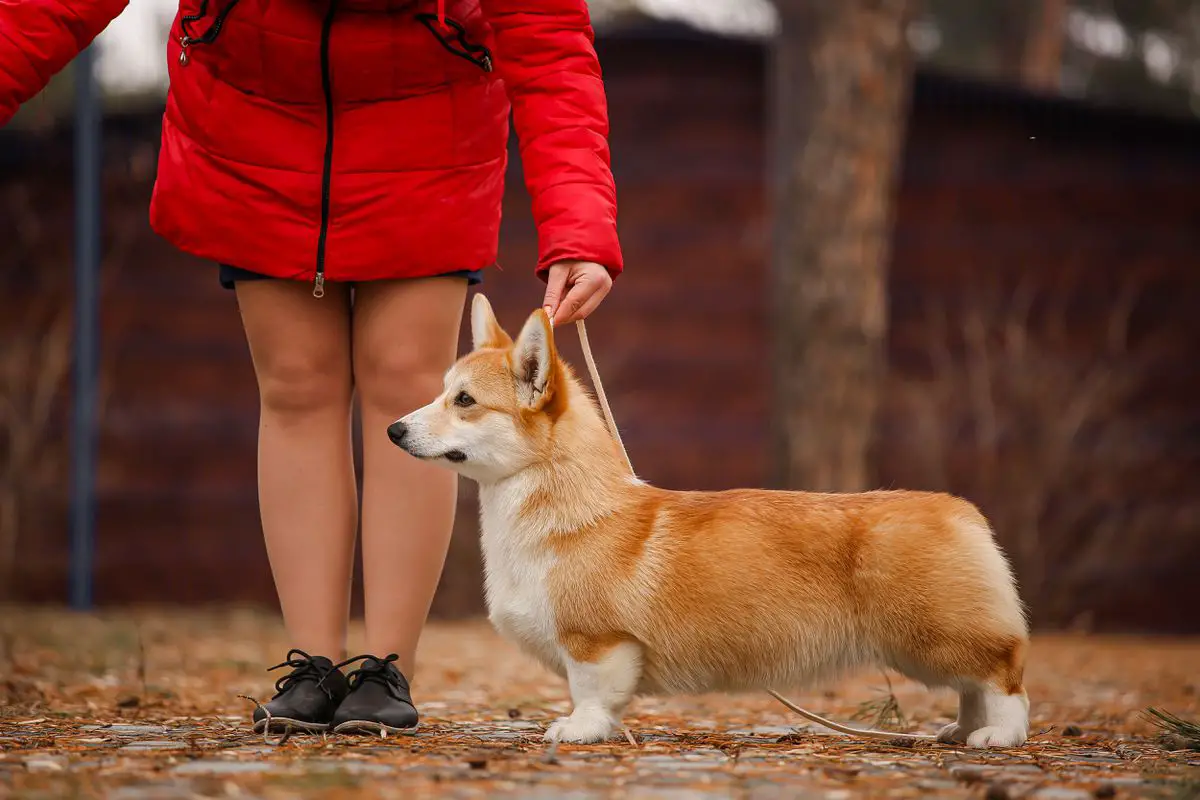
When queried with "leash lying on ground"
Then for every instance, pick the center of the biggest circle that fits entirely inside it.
(868, 733)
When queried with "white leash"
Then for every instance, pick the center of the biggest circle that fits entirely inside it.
(868, 733)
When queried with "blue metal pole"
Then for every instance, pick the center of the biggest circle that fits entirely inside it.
(87, 329)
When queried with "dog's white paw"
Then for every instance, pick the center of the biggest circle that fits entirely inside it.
(996, 736)
(582, 727)
(953, 733)
(987, 736)
(988, 718)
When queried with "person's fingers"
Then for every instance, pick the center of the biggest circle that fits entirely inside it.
(572, 302)
(593, 301)
(582, 298)
(556, 283)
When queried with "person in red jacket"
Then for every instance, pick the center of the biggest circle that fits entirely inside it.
(343, 162)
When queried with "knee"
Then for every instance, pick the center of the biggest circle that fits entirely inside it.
(399, 379)
(301, 384)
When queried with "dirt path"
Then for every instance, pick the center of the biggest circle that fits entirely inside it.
(146, 706)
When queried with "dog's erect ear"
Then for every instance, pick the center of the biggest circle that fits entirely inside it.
(535, 362)
(485, 330)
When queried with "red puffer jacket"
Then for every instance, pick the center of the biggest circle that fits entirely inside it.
(358, 139)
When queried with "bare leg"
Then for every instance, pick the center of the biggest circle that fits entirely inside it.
(300, 346)
(405, 338)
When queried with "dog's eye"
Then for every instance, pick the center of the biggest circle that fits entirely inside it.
(464, 400)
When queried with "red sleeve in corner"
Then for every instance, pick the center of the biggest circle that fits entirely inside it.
(40, 37)
(546, 56)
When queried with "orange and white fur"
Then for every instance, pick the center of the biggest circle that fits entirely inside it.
(627, 589)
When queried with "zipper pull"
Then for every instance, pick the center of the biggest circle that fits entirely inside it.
(319, 285)
(184, 58)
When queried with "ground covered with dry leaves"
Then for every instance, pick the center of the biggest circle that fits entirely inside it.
(146, 705)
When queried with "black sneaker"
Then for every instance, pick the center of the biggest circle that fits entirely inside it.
(305, 698)
(378, 702)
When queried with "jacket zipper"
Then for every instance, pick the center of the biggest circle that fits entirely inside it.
(327, 171)
(461, 46)
(208, 37)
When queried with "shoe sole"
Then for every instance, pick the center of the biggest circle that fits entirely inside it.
(369, 728)
(286, 725)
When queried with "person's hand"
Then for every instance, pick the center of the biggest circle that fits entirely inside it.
(574, 289)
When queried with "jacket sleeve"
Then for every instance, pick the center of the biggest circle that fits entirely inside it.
(546, 57)
(40, 37)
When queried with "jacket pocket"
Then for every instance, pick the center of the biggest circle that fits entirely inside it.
(202, 27)
(453, 37)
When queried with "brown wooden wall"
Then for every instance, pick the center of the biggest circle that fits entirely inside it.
(996, 188)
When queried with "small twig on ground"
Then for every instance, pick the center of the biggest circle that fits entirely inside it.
(629, 737)
(287, 734)
(1043, 731)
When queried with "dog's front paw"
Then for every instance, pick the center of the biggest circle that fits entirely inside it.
(996, 736)
(582, 727)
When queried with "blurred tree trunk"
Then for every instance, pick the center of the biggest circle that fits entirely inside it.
(1042, 56)
(842, 78)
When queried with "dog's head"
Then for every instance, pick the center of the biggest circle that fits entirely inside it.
(499, 403)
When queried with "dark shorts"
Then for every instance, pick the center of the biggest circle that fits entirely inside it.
(230, 275)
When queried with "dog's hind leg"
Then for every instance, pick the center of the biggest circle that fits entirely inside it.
(1004, 717)
(603, 678)
(950, 615)
(970, 716)
(987, 672)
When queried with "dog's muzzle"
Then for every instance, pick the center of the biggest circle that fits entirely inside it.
(398, 433)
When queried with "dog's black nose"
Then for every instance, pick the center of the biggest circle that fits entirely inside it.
(396, 432)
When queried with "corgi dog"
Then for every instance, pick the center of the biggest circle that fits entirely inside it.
(627, 589)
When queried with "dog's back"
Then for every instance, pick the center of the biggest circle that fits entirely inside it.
(747, 589)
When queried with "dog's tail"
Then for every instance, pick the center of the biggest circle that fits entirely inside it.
(866, 733)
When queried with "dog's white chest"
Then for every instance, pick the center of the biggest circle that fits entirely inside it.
(515, 572)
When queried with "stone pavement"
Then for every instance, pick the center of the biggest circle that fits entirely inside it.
(147, 706)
